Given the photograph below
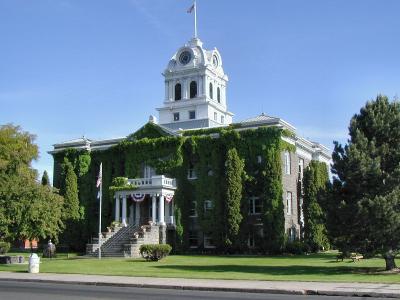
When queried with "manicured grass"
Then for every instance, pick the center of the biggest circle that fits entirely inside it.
(316, 267)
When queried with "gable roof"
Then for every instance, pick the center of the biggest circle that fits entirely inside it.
(151, 130)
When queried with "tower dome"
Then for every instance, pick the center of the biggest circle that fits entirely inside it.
(195, 89)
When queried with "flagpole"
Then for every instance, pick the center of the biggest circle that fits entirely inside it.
(101, 195)
(195, 19)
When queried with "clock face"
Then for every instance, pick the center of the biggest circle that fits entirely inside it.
(215, 61)
(185, 57)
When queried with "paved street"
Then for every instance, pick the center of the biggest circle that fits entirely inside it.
(13, 290)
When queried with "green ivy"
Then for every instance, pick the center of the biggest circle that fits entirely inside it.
(209, 151)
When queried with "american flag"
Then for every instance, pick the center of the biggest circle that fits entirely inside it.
(98, 183)
(190, 9)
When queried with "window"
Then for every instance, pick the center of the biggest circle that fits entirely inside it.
(207, 205)
(191, 172)
(211, 91)
(178, 91)
(176, 116)
(292, 233)
(193, 209)
(287, 163)
(192, 114)
(215, 116)
(208, 241)
(219, 95)
(289, 203)
(255, 206)
(301, 168)
(193, 89)
(222, 120)
(193, 239)
(259, 159)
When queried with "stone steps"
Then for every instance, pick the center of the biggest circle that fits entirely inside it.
(126, 241)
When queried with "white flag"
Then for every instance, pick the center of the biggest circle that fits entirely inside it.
(100, 175)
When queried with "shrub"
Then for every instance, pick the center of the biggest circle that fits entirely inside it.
(154, 252)
(296, 247)
(4, 247)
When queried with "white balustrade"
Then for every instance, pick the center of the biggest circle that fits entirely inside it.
(154, 181)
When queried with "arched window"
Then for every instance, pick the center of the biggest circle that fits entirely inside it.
(211, 91)
(219, 95)
(193, 89)
(178, 91)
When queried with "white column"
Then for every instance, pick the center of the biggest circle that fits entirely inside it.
(124, 210)
(117, 209)
(161, 211)
(153, 208)
(166, 90)
(172, 212)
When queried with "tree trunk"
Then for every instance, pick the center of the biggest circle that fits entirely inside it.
(389, 259)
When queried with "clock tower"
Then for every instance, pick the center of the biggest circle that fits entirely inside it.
(195, 89)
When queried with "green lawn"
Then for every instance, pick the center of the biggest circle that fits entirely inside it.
(316, 267)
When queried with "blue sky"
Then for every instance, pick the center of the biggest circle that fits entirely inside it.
(70, 67)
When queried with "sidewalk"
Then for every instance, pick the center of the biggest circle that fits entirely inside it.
(273, 287)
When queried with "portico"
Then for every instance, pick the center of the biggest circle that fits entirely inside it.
(151, 200)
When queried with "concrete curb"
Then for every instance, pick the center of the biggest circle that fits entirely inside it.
(215, 289)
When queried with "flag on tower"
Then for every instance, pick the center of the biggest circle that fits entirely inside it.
(98, 183)
(190, 9)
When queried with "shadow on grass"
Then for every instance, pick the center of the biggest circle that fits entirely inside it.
(274, 270)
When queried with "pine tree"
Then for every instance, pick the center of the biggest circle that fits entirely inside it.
(365, 197)
(315, 182)
(234, 172)
(45, 179)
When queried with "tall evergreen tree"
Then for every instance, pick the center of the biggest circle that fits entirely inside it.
(45, 179)
(70, 193)
(234, 173)
(366, 198)
(273, 208)
(315, 182)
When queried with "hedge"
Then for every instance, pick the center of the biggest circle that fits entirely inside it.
(155, 252)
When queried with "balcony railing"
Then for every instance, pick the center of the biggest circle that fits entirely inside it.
(154, 181)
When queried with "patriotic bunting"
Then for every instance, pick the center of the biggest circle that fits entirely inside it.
(169, 197)
(137, 197)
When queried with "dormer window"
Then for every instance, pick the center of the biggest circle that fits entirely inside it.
(178, 91)
(211, 91)
(193, 89)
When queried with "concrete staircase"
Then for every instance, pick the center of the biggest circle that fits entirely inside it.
(124, 241)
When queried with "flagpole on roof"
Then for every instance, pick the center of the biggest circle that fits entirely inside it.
(189, 11)
(195, 19)
(100, 184)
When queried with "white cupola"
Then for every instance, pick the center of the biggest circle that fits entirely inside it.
(195, 89)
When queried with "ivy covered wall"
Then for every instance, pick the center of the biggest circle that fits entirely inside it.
(255, 154)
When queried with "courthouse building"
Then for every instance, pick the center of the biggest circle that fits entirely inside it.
(175, 167)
